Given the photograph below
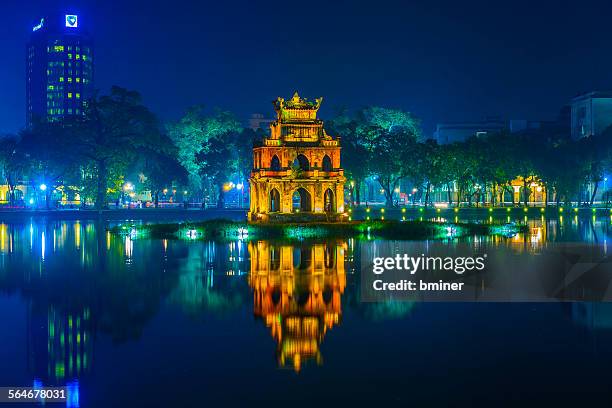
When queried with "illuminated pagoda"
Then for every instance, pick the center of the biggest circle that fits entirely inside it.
(296, 170)
(297, 292)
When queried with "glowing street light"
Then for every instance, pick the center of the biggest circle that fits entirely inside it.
(239, 186)
(43, 187)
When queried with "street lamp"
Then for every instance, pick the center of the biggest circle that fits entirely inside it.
(127, 188)
(240, 187)
(43, 188)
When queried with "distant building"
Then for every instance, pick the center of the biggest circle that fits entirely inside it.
(521, 125)
(59, 68)
(258, 121)
(591, 114)
(461, 131)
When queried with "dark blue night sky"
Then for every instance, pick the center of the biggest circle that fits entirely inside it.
(442, 60)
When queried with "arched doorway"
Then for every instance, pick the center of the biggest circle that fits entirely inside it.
(301, 201)
(274, 200)
(329, 203)
(327, 163)
(275, 163)
(302, 162)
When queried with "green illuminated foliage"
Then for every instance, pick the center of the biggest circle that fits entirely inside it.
(380, 142)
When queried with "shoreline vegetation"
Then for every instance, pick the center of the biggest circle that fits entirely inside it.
(221, 229)
(358, 213)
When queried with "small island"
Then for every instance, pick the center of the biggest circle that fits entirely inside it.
(399, 230)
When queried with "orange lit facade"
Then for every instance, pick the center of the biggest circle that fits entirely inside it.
(536, 191)
(297, 292)
(296, 170)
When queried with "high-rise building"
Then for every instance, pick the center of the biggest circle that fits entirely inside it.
(59, 70)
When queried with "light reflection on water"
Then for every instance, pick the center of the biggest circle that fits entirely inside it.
(83, 290)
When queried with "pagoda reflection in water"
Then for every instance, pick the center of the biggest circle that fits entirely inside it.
(297, 291)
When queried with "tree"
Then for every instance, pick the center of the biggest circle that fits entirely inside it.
(391, 120)
(115, 130)
(49, 162)
(192, 135)
(377, 141)
(12, 163)
(391, 159)
(157, 170)
(355, 152)
(427, 166)
(225, 156)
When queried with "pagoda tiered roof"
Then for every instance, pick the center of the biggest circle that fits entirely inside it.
(297, 110)
(297, 102)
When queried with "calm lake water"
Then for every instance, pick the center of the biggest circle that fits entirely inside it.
(178, 323)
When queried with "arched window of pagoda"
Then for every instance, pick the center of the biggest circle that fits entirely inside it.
(329, 201)
(327, 163)
(275, 164)
(274, 200)
(302, 162)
